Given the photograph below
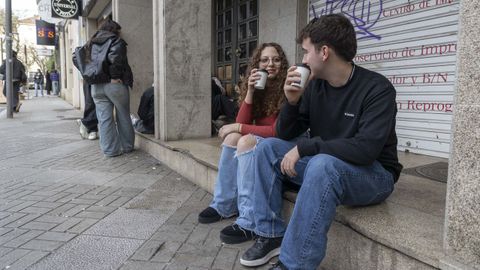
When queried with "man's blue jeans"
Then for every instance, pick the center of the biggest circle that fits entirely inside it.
(116, 133)
(55, 87)
(38, 86)
(326, 182)
(234, 186)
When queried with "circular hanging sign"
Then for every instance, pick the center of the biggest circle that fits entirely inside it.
(65, 8)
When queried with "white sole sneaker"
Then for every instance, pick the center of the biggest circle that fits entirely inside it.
(261, 261)
(92, 135)
(83, 129)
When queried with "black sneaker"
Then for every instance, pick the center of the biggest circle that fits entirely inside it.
(262, 251)
(209, 215)
(278, 266)
(235, 234)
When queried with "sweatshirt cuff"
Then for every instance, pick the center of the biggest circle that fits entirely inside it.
(289, 112)
(291, 109)
(306, 147)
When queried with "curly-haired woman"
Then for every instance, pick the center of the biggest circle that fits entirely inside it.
(256, 120)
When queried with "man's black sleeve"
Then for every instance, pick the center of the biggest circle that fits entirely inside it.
(375, 126)
(293, 120)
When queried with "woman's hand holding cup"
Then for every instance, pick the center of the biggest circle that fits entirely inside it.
(252, 79)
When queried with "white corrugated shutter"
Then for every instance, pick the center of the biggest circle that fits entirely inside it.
(412, 43)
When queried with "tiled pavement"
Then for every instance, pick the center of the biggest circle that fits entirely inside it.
(64, 206)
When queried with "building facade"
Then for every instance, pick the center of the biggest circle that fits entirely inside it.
(426, 48)
(179, 46)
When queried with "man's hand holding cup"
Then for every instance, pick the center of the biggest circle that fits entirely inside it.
(297, 79)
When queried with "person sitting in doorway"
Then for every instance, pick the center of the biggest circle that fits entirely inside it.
(224, 105)
(146, 112)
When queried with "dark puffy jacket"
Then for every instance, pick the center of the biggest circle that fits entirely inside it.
(18, 73)
(115, 64)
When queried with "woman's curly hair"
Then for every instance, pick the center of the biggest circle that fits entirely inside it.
(268, 101)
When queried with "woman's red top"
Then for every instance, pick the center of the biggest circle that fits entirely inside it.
(263, 127)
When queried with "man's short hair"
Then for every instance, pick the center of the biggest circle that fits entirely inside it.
(333, 30)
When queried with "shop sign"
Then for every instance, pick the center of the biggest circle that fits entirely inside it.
(67, 9)
(45, 33)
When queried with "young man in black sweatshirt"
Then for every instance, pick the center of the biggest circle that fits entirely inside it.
(350, 157)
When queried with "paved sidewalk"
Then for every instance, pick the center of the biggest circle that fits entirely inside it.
(65, 206)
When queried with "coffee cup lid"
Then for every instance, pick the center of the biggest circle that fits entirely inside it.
(262, 70)
(302, 65)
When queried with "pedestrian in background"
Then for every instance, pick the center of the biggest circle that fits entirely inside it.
(19, 78)
(48, 82)
(38, 81)
(55, 77)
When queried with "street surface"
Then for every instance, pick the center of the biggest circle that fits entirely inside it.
(63, 205)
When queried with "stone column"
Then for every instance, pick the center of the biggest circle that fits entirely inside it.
(462, 224)
(136, 20)
(183, 68)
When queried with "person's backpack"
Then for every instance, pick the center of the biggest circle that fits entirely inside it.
(93, 72)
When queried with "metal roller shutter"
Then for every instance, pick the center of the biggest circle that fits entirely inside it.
(414, 44)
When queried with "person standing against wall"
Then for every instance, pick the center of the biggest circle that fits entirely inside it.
(104, 64)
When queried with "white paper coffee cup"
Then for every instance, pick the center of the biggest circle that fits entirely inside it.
(304, 71)
(260, 83)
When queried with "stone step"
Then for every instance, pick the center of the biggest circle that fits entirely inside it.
(404, 232)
